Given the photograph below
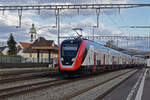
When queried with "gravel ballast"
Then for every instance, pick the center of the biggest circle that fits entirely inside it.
(15, 71)
(59, 92)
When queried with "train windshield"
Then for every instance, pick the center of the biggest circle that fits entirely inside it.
(70, 50)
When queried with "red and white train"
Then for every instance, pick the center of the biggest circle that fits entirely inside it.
(86, 56)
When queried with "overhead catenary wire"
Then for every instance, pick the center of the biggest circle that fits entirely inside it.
(111, 19)
(115, 23)
(124, 23)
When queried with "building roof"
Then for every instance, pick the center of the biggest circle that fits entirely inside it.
(41, 44)
(147, 54)
(1, 53)
(1, 48)
(5, 50)
(24, 45)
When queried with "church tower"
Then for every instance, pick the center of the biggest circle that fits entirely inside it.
(32, 33)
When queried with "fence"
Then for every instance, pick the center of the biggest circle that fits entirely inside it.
(8, 59)
(41, 60)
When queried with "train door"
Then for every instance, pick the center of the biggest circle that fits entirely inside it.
(94, 67)
(132, 60)
(98, 61)
(121, 60)
(109, 58)
(104, 65)
(112, 62)
(118, 60)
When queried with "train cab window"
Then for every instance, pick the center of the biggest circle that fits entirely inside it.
(70, 50)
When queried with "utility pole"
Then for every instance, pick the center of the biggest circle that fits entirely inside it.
(20, 18)
(97, 13)
(58, 24)
(93, 30)
(93, 33)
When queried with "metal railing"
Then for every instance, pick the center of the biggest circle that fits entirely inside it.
(8, 59)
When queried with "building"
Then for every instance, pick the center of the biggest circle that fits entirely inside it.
(21, 47)
(4, 50)
(1, 49)
(41, 50)
(147, 55)
(33, 33)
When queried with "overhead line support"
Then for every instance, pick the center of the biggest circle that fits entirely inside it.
(61, 7)
(58, 23)
(111, 37)
(20, 15)
(82, 6)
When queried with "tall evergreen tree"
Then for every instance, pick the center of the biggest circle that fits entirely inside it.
(11, 45)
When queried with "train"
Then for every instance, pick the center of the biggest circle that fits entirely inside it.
(78, 56)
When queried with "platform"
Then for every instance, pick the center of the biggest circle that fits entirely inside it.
(135, 88)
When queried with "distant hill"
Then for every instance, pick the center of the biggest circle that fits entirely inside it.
(132, 52)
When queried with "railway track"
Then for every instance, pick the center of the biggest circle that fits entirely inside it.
(75, 95)
(27, 76)
(8, 92)
(22, 89)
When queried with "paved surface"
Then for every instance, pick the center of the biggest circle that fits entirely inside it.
(100, 90)
(135, 88)
(14, 71)
(146, 91)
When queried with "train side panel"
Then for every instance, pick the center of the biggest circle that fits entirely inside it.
(93, 57)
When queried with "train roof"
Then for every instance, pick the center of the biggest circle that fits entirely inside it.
(101, 46)
(112, 51)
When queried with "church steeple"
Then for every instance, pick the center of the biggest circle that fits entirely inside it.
(32, 33)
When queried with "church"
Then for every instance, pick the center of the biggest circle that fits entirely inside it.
(38, 49)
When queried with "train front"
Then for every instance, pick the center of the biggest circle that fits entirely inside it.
(71, 55)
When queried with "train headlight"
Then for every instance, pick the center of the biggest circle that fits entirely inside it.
(73, 59)
(62, 59)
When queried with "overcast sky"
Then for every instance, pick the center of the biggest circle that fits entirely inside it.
(110, 20)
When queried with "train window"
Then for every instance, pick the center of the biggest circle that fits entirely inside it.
(98, 62)
(69, 50)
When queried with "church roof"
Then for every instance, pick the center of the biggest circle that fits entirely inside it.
(42, 44)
